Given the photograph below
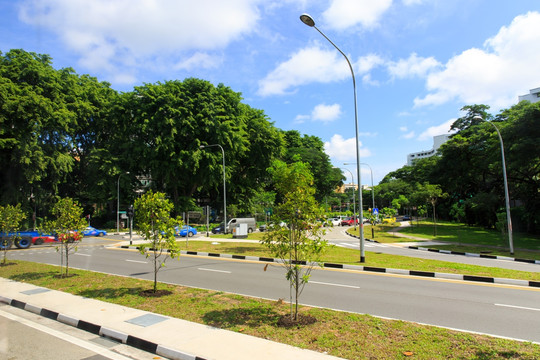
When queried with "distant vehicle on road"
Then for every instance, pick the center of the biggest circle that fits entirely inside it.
(92, 231)
(349, 221)
(24, 239)
(334, 221)
(185, 231)
(406, 217)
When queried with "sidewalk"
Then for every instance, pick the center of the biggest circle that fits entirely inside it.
(165, 336)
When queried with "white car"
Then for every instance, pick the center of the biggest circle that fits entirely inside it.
(335, 221)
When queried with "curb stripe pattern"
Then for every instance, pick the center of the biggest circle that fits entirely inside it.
(102, 331)
(483, 256)
(375, 269)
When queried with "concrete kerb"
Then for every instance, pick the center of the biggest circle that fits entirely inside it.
(158, 334)
(372, 269)
(449, 252)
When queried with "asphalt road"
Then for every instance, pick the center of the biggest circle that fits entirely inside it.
(338, 236)
(501, 310)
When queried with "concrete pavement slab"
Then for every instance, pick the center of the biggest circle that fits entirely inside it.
(171, 337)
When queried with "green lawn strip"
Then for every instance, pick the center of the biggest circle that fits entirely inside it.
(461, 238)
(339, 255)
(519, 254)
(348, 335)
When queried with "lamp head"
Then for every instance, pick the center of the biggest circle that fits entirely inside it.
(202, 147)
(308, 20)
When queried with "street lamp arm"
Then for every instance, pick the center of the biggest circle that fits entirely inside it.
(506, 194)
(308, 20)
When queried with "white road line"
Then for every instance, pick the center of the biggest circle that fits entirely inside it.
(66, 337)
(518, 307)
(82, 254)
(214, 270)
(138, 262)
(330, 284)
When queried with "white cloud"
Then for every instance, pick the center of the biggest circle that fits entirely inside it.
(343, 14)
(495, 75)
(300, 119)
(310, 65)
(105, 32)
(441, 129)
(344, 149)
(199, 60)
(306, 66)
(408, 135)
(326, 113)
(414, 66)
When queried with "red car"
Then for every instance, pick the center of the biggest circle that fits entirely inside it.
(38, 240)
(350, 221)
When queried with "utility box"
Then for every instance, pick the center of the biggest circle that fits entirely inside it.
(240, 231)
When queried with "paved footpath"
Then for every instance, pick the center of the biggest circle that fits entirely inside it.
(165, 336)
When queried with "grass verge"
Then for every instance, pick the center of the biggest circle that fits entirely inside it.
(347, 335)
(341, 255)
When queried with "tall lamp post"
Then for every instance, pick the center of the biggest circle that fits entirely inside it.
(308, 20)
(118, 202)
(507, 197)
(353, 194)
(224, 186)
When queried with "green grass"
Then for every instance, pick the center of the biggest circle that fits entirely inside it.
(461, 238)
(350, 256)
(347, 335)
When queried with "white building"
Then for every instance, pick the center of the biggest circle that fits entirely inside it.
(437, 142)
(533, 96)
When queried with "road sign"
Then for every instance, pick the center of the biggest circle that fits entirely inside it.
(376, 211)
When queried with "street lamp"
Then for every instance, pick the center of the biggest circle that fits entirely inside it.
(118, 202)
(353, 194)
(308, 20)
(507, 198)
(224, 186)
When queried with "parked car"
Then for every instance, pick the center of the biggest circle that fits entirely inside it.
(334, 221)
(406, 217)
(350, 221)
(185, 231)
(41, 239)
(92, 231)
(22, 239)
(218, 229)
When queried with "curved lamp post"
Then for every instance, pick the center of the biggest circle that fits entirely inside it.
(308, 20)
(118, 202)
(507, 198)
(224, 186)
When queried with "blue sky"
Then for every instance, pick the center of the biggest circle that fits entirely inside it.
(417, 62)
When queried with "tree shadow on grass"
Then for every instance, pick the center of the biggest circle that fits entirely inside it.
(240, 316)
(488, 355)
(111, 293)
(238, 250)
(115, 293)
(30, 276)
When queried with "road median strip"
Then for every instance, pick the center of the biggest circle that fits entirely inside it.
(472, 278)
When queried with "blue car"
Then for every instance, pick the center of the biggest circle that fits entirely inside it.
(185, 231)
(92, 231)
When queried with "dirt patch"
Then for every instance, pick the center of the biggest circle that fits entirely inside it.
(157, 293)
(287, 321)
